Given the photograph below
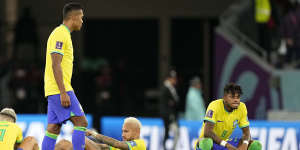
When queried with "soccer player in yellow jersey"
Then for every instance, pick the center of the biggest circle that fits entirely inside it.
(130, 134)
(63, 104)
(222, 117)
(11, 134)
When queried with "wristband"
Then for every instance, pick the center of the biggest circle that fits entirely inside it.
(223, 143)
(246, 142)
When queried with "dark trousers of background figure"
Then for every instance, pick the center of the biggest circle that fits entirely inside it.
(292, 54)
(264, 39)
(170, 120)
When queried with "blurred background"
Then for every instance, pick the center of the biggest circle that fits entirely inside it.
(126, 49)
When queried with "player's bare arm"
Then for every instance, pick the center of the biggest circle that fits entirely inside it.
(209, 133)
(91, 145)
(245, 139)
(103, 146)
(58, 75)
(108, 140)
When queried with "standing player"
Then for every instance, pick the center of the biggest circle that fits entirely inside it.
(130, 134)
(222, 117)
(62, 102)
(11, 134)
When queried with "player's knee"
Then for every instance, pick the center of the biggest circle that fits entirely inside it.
(79, 121)
(30, 139)
(53, 128)
(82, 123)
(255, 145)
(64, 145)
(206, 144)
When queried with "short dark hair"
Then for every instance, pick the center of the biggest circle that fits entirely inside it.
(70, 7)
(232, 88)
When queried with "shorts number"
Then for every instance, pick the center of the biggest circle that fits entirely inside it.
(2, 132)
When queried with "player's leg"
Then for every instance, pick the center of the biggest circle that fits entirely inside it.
(175, 128)
(91, 145)
(167, 128)
(50, 137)
(54, 125)
(79, 121)
(29, 143)
(78, 134)
(63, 145)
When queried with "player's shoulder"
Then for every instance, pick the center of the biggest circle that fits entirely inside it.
(59, 30)
(141, 144)
(10, 124)
(216, 103)
(242, 106)
(17, 126)
(137, 142)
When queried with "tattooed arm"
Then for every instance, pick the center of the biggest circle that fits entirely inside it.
(245, 137)
(108, 140)
(209, 133)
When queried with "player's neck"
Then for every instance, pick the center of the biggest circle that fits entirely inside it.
(68, 25)
(227, 108)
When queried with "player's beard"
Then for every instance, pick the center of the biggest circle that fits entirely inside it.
(228, 105)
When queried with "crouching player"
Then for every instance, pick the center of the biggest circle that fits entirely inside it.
(11, 134)
(222, 117)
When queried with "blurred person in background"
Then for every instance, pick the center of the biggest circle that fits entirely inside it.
(11, 134)
(103, 101)
(130, 133)
(290, 32)
(262, 17)
(195, 107)
(169, 101)
(5, 73)
(222, 117)
(26, 38)
(63, 104)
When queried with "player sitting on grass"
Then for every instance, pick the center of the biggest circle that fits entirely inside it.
(130, 134)
(222, 117)
(11, 134)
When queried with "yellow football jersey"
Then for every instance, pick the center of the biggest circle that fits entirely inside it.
(59, 42)
(137, 144)
(225, 122)
(10, 133)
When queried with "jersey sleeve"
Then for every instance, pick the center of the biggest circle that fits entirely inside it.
(19, 136)
(57, 43)
(244, 122)
(211, 113)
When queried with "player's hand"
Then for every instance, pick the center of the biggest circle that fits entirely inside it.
(289, 42)
(243, 147)
(230, 147)
(65, 99)
(90, 133)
